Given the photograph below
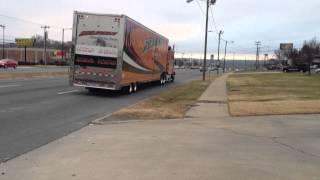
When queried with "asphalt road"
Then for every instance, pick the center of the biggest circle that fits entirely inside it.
(36, 112)
(27, 69)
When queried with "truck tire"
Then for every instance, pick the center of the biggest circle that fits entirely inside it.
(130, 89)
(91, 90)
(162, 80)
(135, 87)
(172, 78)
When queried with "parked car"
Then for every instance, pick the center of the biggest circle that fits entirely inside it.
(212, 68)
(300, 68)
(194, 67)
(7, 63)
(209, 69)
(317, 71)
(202, 69)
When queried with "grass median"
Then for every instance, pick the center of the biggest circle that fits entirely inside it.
(171, 104)
(273, 94)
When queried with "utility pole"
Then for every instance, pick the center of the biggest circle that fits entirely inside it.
(245, 63)
(45, 42)
(205, 43)
(234, 54)
(220, 33)
(183, 59)
(225, 55)
(265, 59)
(209, 2)
(258, 44)
(62, 44)
(3, 42)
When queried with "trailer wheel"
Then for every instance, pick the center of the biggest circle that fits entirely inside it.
(162, 80)
(91, 90)
(130, 89)
(172, 78)
(135, 87)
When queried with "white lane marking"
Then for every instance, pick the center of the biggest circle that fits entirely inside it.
(8, 86)
(67, 92)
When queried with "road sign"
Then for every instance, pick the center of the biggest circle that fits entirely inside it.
(25, 42)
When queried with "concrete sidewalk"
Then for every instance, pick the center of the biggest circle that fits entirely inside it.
(213, 102)
(207, 146)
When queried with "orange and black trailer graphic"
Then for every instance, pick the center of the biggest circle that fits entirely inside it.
(144, 55)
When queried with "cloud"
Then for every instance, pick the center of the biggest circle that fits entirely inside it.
(245, 21)
(178, 32)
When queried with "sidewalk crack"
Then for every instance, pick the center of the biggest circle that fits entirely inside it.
(212, 102)
(274, 140)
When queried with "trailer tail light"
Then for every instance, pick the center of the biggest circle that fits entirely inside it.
(100, 74)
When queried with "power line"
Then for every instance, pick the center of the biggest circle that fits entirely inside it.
(28, 21)
(7, 40)
(212, 17)
(200, 8)
(214, 21)
(204, 14)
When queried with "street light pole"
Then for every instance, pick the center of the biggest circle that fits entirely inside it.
(225, 55)
(220, 33)
(234, 54)
(224, 59)
(209, 2)
(3, 31)
(62, 44)
(205, 43)
(45, 43)
(258, 43)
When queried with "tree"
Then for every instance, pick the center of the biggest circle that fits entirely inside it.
(39, 43)
(309, 50)
(304, 56)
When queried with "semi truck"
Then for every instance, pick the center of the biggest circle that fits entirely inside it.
(115, 52)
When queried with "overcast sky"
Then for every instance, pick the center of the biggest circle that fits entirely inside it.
(245, 21)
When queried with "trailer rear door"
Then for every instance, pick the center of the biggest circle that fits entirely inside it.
(98, 44)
